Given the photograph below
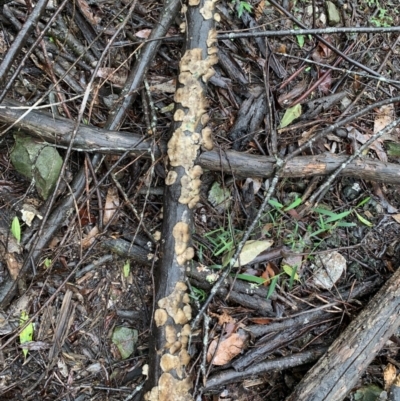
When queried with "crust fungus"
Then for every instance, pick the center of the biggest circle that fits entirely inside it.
(176, 346)
(160, 317)
(171, 177)
(170, 362)
(191, 183)
(170, 389)
(208, 9)
(170, 335)
(207, 138)
(181, 235)
(172, 386)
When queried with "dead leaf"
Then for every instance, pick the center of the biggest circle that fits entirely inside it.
(223, 318)
(389, 375)
(325, 84)
(88, 13)
(396, 217)
(143, 34)
(112, 204)
(89, 239)
(261, 320)
(249, 252)
(376, 146)
(116, 77)
(306, 135)
(227, 349)
(268, 273)
(259, 10)
(322, 53)
(13, 265)
(286, 99)
(384, 116)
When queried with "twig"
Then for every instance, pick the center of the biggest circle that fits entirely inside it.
(316, 196)
(21, 38)
(305, 31)
(327, 43)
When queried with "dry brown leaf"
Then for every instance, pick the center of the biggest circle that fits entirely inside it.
(224, 318)
(396, 217)
(259, 10)
(88, 13)
(227, 349)
(268, 273)
(384, 116)
(13, 265)
(261, 320)
(389, 375)
(112, 204)
(89, 239)
(376, 146)
(325, 84)
(118, 78)
(306, 135)
(143, 34)
(286, 99)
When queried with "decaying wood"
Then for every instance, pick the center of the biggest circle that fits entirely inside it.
(90, 139)
(337, 372)
(231, 375)
(170, 330)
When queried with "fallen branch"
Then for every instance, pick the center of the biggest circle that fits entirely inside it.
(90, 139)
(337, 372)
(170, 331)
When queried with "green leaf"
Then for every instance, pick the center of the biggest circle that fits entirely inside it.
(300, 40)
(243, 6)
(324, 211)
(291, 272)
(126, 269)
(364, 201)
(290, 115)
(363, 220)
(346, 224)
(47, 263)
(339, 216)
(275, 203)
(16, 229)
(26, 334)
(293, 205)
(272, 286)
(125, 339)
(250, 278)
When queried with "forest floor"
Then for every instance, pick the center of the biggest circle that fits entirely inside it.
(326, 242)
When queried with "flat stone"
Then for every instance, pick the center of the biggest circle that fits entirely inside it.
(329, 267)
(333, 14)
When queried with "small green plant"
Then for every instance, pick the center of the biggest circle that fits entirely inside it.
(223, 240)
(16, 229)
(242, 7)
(126, 269)
(198, 294)
(383, 20)
(47, 263)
